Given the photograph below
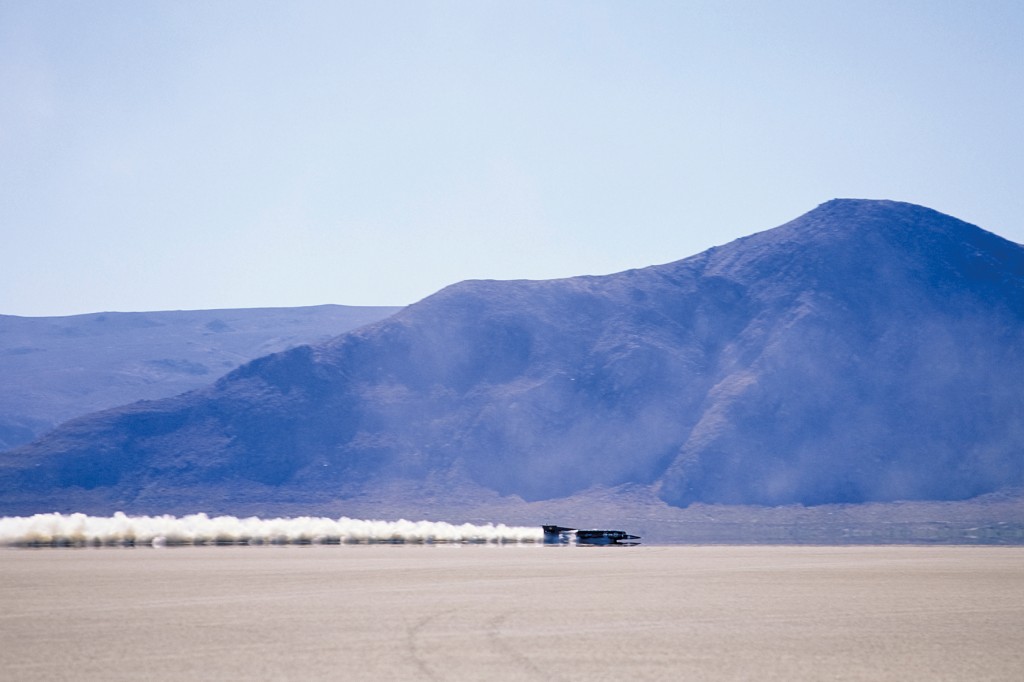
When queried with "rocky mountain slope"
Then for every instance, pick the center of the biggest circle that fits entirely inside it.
(56, 368)
(866, 351)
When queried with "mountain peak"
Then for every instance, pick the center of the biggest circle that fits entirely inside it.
(860, 216)
(899, 222)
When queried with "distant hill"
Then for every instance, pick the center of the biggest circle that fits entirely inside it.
(56, 368)
(868, 351)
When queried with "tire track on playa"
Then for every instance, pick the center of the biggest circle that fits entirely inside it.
(501, 646)
(413, 643)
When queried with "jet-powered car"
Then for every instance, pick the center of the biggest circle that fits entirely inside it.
(560, 535)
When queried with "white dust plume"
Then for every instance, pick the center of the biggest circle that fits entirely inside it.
(80, 530)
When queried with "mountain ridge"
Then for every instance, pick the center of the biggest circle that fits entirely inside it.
(58, 368)
(862, 352)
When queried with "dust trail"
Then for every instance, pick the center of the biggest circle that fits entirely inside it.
(80, 530)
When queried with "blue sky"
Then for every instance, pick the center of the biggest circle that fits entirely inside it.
(180, 155)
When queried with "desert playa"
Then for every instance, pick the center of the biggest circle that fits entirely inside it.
(513, 613)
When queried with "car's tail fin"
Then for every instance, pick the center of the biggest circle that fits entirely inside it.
(556, 535)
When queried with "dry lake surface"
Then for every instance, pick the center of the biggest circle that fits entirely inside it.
(513, 613)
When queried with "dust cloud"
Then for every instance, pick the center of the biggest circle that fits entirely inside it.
(80, 530)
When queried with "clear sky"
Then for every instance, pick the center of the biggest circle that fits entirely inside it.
(185, 155)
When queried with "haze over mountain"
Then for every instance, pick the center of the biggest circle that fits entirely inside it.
(56, 368)
(866, 351)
